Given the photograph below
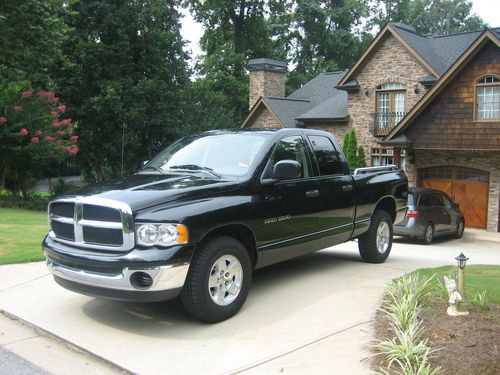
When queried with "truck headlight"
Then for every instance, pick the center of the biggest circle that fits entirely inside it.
(161, 234)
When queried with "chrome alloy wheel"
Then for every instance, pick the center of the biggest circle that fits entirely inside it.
(461, 227)
(383, 237)
(225, 280)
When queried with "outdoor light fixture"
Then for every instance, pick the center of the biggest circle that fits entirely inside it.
(462, 304)
(367, 93)
(416, 89)
(461, 261)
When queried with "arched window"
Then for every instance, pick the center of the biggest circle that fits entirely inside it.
(488, 98)
(390, 106)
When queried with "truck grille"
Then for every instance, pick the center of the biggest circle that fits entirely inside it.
(94, 223)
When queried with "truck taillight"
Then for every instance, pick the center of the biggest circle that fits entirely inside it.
(411, 214)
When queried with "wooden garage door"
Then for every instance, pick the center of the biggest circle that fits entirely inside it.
(467, 187)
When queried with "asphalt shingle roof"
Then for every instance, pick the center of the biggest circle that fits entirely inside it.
(439, 51)
(317, 99)
(286, 109)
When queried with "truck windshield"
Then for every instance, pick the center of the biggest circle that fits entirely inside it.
(231, 154)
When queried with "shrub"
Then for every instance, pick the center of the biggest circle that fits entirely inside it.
(33, 134)
(62, 188)
(354, 155)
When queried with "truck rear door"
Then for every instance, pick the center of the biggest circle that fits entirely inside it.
(289, 208)
(336, 189)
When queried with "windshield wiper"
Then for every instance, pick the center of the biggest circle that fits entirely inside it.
(153, 167)
(196, 167)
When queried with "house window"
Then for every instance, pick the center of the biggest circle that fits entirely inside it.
(488, 98)
(385, 156)
(390, 106)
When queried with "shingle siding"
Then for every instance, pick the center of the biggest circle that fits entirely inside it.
(448, 122)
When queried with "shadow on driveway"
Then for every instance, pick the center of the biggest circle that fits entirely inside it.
(281, 289)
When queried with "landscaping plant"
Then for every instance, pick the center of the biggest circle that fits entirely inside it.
(33, 134)
(402, 306)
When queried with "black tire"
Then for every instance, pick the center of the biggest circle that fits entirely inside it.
(459, 232)
(370, 242)
(428, 234)
(196, 296)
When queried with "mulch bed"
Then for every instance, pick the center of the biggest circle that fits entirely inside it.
(467, 345)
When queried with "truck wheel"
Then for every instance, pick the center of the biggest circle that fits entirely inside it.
(375, 245)
(218, 280)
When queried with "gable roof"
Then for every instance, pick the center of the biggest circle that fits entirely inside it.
(436, 52)
(319, 99)
(492, 35)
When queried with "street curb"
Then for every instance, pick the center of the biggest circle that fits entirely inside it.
(76, 348)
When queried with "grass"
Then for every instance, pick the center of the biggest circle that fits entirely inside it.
(478, 279)
(21, 235)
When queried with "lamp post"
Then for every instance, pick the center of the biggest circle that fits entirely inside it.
(461, 261)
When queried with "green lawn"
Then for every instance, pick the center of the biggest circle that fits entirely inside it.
(478, 278)
(21, 235)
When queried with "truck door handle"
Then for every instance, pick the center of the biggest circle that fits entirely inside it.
(346, 187)
(312, 193)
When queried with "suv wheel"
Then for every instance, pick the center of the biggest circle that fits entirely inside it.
(460, 228)
(428, 234)
(218, 280)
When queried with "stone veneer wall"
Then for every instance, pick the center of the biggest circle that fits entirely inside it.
(392, 62)
(265, 83)
(263, 118)
(484, 160)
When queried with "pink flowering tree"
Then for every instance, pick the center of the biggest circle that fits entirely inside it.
(34, 133)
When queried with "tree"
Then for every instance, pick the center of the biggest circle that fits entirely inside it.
(235, 31)
(33, 134)
(354, 155)
(124, 75)
(31, 34)
(361, 162)
(329, 37)
(429, 16)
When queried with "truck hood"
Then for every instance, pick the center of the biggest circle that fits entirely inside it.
(141, 191)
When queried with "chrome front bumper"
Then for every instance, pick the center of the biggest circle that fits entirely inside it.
(164, 278)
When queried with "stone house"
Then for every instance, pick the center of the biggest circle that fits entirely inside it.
(429, 103)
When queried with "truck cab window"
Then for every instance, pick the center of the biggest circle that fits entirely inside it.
(290, 148)
(326, 155)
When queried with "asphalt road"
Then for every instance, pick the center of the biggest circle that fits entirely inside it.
(11, 363)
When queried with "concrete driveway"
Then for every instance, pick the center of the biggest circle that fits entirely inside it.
(311, 314)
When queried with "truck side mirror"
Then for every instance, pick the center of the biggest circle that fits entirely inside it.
(283, 170)
(287, 170)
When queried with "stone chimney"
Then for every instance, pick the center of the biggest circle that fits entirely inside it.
(267, 78)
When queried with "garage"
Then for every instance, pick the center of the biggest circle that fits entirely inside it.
(467, 187)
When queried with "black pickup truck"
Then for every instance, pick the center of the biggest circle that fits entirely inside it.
(198, 218)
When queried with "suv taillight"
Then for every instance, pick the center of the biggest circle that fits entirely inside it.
(411, 214)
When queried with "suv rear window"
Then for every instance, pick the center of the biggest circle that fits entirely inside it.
(425, 200)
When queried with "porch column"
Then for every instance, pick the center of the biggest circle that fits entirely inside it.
(397, 156)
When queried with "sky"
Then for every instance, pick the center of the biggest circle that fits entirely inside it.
(488, 10)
